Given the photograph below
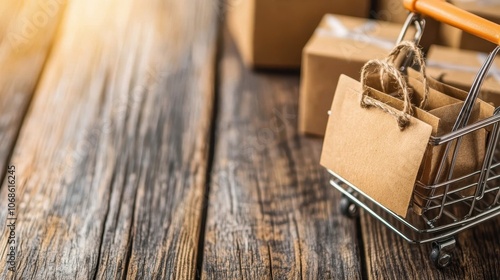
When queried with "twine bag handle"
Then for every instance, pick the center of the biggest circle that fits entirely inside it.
(387, 66)
(411, 50)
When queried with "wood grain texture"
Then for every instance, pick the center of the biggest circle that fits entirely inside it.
(388, 256)
(27, 30)
(271, 212)
(112, 158)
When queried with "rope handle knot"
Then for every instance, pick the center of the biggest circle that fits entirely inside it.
(387, 66)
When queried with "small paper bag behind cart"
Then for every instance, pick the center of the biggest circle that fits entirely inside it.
(485, 109)
(470, 154)
(368, 148)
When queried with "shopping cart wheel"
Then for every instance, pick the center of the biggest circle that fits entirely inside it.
(348, 208)
(442, 252)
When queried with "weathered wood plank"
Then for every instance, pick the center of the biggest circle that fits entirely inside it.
(112, 158)
(477, 254)
(27, 30)
(271, 212)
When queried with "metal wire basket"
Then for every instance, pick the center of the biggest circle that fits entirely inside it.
(449, 205)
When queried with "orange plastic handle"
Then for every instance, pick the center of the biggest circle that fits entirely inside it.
(457, 17)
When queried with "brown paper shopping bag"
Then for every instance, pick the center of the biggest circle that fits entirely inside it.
(440, 98)
(365, 146)
(486, 109)
(471, 151)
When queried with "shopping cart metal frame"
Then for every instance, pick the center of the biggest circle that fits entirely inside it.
(439, 223)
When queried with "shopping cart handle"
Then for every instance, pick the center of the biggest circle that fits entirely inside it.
(457, 17)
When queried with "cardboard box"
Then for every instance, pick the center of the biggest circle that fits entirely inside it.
(394, 11)
(458, 68)
(272, 33)
(340, 45)
(454, 37)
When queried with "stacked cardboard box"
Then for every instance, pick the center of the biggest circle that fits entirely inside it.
(340, 45)
(271, 34)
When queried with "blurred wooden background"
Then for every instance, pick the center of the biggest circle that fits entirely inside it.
(144, 149)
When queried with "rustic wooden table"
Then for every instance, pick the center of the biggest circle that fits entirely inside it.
(143, 148)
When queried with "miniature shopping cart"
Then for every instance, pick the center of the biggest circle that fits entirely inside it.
(446, 211)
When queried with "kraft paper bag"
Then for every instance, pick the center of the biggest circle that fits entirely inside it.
(470, 154)
(486, 109)
(442, 102)
(366, 147)
(471, 151)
